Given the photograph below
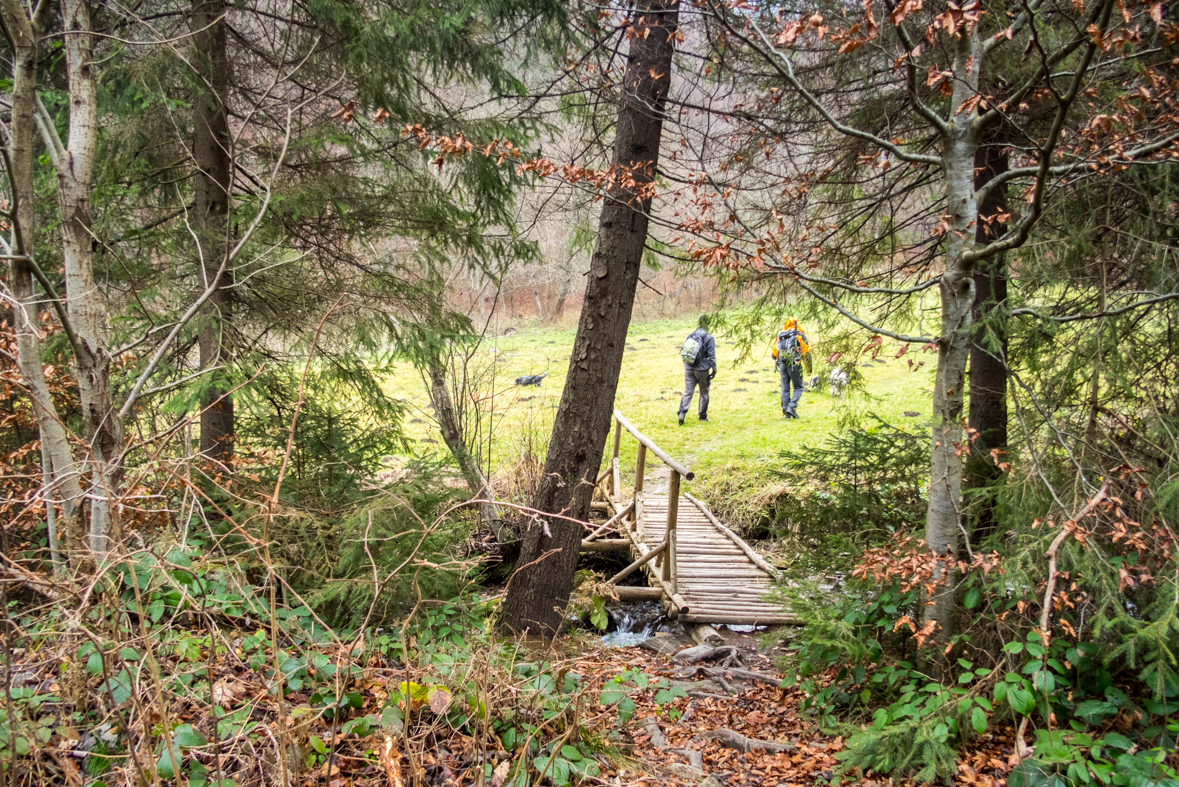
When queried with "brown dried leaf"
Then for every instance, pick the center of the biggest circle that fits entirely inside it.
(500, 774)
(439, 699)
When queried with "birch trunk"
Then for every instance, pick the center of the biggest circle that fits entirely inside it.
(957, 295)
(61, 470)
(75, 165)
(452, 434)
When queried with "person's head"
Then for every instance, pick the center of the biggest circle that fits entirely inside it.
(703, 322)
(791, 324)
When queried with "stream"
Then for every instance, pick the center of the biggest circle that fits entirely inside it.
(636, 621)
(633, 622)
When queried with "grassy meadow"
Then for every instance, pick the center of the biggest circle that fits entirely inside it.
(733, 455)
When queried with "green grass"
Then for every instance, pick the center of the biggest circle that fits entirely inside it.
(733, 454)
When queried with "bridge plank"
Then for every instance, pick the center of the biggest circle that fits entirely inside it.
(719, 577)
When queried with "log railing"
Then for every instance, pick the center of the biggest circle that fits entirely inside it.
(666, 551)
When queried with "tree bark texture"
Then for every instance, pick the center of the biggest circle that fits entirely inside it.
(988, 350)
(943, 521)
(450, 424)
(75, 166)
(539, 591)
(61, 470)
(214, 169)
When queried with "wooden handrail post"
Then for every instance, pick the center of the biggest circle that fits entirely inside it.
(617, 436)
(640, 468)
(615, 492)
(673, 500)
(640, 471)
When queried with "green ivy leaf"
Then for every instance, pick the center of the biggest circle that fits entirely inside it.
(972, 599)
(611, 694)
(186, 736)
(1118, 741)
(978, 720)
(94, 663)
(598, 616)
(1022, 701)
(1044, 681)
(167, 764)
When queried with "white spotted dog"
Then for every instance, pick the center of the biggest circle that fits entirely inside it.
(837, 382)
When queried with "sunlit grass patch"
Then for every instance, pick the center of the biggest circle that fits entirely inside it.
(737, 449)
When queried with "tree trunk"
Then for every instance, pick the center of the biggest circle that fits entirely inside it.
(449, 423)
(942, 520)
(539, 591)
(61, 470)
(214, 164)
(988, 350)
(1094, 395)
(75, 167)
(562, 294)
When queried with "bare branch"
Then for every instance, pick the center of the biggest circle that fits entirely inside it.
(785, 68)
(900, 337)
(1095, 315)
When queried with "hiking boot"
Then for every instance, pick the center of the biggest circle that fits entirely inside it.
(681, 420)
(791, 412)
(704, 419)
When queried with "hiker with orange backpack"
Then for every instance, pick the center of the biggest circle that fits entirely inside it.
(791, 351)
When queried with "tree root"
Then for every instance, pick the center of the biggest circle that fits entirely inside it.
(707, 653)
(735, 740)
(720, 673)
(658, 739)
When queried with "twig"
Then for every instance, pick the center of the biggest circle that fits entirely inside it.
(1021, 748)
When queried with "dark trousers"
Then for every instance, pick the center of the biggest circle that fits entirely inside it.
(791, 376)
(692, 378)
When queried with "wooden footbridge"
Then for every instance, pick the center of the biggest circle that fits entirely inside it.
(701, 570)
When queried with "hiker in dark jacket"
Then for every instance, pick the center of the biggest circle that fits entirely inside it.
(699, 354)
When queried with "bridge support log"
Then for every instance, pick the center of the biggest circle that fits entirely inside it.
(610, 523)
(635, 566)
(606, 545)
(705, 634)
(629, 593)
(673, 501)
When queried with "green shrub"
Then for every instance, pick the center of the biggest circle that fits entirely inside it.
(403, 541)
(859, 488)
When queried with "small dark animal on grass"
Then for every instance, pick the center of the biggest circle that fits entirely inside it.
(812, 384)
(837, 381)
(531, 379)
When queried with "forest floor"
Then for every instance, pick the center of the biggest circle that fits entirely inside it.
(689, 741)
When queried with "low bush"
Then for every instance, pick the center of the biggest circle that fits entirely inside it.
(173, 666)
